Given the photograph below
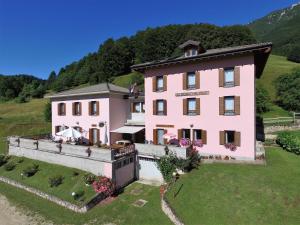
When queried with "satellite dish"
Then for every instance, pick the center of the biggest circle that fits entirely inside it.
(101, 124)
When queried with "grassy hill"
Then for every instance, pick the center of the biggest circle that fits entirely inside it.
(22, 119)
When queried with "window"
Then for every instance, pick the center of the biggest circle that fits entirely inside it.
(77, 108)
(191, 52)
(94, 136)
(58, 129)
(186, 133)
(191, 104)
(138, 107)
(160, 136)
(229, 105)
(61, 109)
(229, 77)
(197, 134)
(94, 108)
(191, 80)
(160, 107)
(229, 137)
(160, 83)
(77, 128)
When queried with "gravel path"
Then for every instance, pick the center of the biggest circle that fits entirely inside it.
(10, 215)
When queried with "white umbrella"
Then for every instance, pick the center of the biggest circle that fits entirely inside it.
(70, 133)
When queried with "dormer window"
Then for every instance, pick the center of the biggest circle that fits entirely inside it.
(191, 52)
(192, 48)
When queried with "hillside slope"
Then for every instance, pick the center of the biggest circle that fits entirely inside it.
(282, 27)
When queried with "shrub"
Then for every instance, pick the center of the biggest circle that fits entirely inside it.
(75, 173)
(89, 178)
(167, 166)
(55, 180)
(31, 170)
(48, 112)
(3, 159)
(77, 195)
(10, 166)
(294, 55)
(289, 142)
(104, 185)
(263, 101)
(20, 160)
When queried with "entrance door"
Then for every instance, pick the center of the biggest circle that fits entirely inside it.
(94, 136)
(160, 138)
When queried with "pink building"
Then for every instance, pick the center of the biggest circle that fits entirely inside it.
(207, 96)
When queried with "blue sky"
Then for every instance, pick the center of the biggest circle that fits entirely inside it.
(38, 36)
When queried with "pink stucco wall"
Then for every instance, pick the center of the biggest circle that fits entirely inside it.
(113, 110)
(209, 119)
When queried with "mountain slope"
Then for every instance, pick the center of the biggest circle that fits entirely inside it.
(282, 27)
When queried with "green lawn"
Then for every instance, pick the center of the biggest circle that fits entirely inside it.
(39, 181)
(241, 194)
(22, 119)
(120, 211)
(128, 79)
(276, 111)
(276, 66)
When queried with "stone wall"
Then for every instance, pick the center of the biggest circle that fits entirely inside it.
(272, 129)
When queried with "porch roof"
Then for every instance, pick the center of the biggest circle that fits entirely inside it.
(128, 129)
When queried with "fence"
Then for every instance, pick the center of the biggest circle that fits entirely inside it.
(288, 120)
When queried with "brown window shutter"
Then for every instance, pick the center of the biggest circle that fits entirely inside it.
(236, 76)
(165, 77)
(58, 109)
(221, 77)
(237, 138)
(155, 136)
(73, 108)
(154, 84)
(80, 108)
(154, 108)
(184, 81)
(98, 108)
(222, 137)
(165, 139)
(98, 136)
(204, 136)
(221, 106)
(165, 107)
(56, 129)
(132, 107)
(237, 105)
(179, 134)
(198, 80)
(91, 136)
(198, 106)
(185, 109)
(64, 107)
(90, 108)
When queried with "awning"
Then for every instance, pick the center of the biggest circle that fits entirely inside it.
(128, 129)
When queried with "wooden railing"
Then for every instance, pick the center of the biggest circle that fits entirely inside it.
(125, 151)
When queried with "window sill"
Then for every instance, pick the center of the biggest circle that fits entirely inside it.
(158, 91)
(229, 114)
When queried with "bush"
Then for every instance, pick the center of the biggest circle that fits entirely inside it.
(3, 159)
(104, 185)
(294, 55)
(31, 170)
(48, 112)
(89, 178)
(20, 160)
(263, 101)
(10, 166)
(56, 180)
(289, 142)
(287, 90)
(167, 166)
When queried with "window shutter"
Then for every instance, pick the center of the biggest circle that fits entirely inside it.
(154, 84)
(222, 137)
(98, 136)
(97, 108)
(198, 106)
(132, 107)
(237, 138)
(179, 134)
(155, 136)
(165, 139)
(236, 76)
(56, 129)
(165, 77)
(185, 109)
(80, 108)
(91, 136)
(204, 136)
(184, 81)
(73, 108)
(154, 108)
(165, 107)
(221, 106)
(221, 77)
(198, 80)
(90, 108)
(58, 109)
(237, 105)
(64, 107)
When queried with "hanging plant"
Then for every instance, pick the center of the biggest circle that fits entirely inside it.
(198, 143)
(230, 146)
(185, 142)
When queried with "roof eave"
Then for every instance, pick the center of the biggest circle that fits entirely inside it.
(85, 94)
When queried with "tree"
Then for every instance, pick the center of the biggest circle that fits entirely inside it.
(48, 112)
(52, 77)
(287, 90)
(263, 101)
(294, 54)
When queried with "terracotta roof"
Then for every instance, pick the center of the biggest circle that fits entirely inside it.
(102, 88)
(260, 48)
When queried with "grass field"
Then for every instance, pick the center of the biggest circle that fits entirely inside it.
(22, 119)
(241, 194)
(39, 181)
(128, 79)
(120, 211)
